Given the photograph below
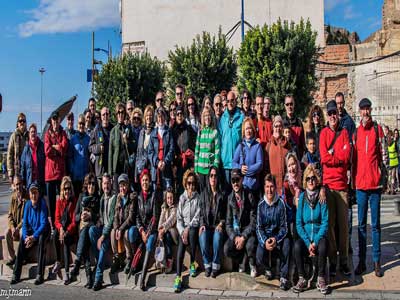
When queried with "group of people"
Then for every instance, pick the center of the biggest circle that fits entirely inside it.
(215, 176)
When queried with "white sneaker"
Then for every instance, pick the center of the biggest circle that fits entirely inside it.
(253, 271)
(241, 270)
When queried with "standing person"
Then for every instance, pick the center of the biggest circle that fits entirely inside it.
(92, 108)
(129, 108)
(241, 218)
(185, 141)
(188, 221)
(78, 154)
(316, 122)
(276, 149)
(295, 124)
(89, 121)
(136, 122)
(147, 218)
(369, 145)
(263, 124)
(16, 145)
(33, 160)
(312, 226)
(34, 232)
(229, 129)
(120, 147)
(159, 101)
(246, 104)
(267, 107)
(99, 144)
(180, 94)
(15, 216)
(161, 152)
(248, 157)
(335, 157)
(207, 151)
(172, 114)
(272, 231)
(224, 94)
(100, 234)
(393, 162)
(70, 130)
(192, 113)
(207, 102)
(65, 226)
(218, 109)
(212, 224)
(311, 156)
(86, 215)
(55, 149)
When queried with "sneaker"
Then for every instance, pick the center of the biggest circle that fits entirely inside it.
(301, 285)
(178, 284)
(283, 284)
(345, 270)
(192, 270)
(269, 275)
(56, 267)
(321, 285)
(242, 270)
(332, 270)
(214, 273)
(253, 271)
(39, 280)
(207, 272)
(361, 268)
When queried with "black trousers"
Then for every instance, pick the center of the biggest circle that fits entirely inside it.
(193, 243)
(301, 252)
(53, 189)
(65, 249)
(23, 251)
(240, 256)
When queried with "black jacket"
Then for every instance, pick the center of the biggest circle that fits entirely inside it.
(148, 209)
(246, 216)
(91, 203)
(100, 136)
(184, 138)
(207, 218)
(142, 156)
(124, 215)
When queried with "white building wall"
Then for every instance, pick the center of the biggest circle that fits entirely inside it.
(162, 24)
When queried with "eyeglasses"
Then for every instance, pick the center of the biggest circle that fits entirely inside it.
(289, 104)
(121, 112)
(21, 121)
(235, 180)
(213, 175)
(218, 104)
(332, 113)
(316, 114)
(67, 188)
(190, 183)
(311, 178)
(159, 99)
(92, 183)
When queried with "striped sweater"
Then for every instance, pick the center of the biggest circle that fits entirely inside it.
(207, 150)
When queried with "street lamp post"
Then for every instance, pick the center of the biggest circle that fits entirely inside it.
(41, 70)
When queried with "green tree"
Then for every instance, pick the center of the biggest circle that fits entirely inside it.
(135, 77)
(206, 67)
(278, 60)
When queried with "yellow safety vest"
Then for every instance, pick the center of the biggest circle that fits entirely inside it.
(393, 158)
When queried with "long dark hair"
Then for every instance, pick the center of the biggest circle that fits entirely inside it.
(208, 179)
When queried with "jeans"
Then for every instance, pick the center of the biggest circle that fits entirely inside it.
(193, 243)
(168, 243)
(83, 246)
(151, 240)
(211, 259)
(283, 249)
(94, 234)
(248, 251)
(129, 236)
(301, 252)
(374, 198)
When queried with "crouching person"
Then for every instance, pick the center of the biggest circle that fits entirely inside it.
(35, 229)
(100, 234)
(272, 231)
(312, 226)
(241, 225)
(15, 214)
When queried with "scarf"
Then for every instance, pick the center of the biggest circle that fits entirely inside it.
(34, 146)
(145, 194)
(249, 142)
(312, 197)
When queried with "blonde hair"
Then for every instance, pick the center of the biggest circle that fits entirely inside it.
(211, 112)
(311, 169)
(248, 120)
(189, 173)
(148, 109)
(64, 181)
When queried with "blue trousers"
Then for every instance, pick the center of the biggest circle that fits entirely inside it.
(94, 234)
(134, 236)
(374, 199)
(211, 259)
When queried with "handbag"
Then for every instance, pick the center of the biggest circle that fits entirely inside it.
(159, 255)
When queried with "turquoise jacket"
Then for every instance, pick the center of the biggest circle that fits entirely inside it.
(230, 130)
(311, 224)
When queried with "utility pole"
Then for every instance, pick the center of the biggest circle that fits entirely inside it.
(92, 63)
(242, 20)
(41, 70)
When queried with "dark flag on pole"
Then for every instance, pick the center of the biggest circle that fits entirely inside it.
(89, 74)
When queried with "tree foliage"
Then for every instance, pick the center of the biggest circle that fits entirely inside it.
(206, 67)
(278, 60)
(135, 77)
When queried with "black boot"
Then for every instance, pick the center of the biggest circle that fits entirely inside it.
(89, 277)
(75, 270)
(144, 271)
(115, 264)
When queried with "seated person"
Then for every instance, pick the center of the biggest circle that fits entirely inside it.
(241, 225)
(272, 231)
(35, 229)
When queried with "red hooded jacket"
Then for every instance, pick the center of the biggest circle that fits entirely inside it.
(55, 160)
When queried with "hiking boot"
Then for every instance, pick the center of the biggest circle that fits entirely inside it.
(283, 284)
(301, 285)
(178, 284)
(361, 268)
(214, 273)
(192, 270)
(321, 285)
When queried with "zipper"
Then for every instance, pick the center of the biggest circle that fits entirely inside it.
(312, 226)
(366, 145)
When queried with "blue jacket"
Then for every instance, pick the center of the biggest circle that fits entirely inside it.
(35, 220)
(311, 224)
(347, 122)
(230, 133)
(271, 220)
(168, 144)
(78, 156)
(27, 164)
(252, 157)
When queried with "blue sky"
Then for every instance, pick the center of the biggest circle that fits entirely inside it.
(56, 35)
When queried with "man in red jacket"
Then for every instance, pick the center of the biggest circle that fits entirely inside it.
(368, 142)
(295, 125)
(334, 146)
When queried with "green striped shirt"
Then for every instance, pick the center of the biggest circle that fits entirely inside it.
(207, 150)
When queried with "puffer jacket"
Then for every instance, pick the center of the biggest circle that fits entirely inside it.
(16, 145)
(55, 160)
(271, 220)
(125, 214)
(230, 130)
(27, 164)
(311, 223)
(188, 213)
(148, 211)
(78, 154)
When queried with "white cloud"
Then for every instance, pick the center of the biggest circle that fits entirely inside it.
(350, 13)
(331, 4)
(54, 16)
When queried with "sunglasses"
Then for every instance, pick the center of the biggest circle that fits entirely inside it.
(136, 119)
(289, 104)
(81, 123)
(190, 104)
(172, 109)
(235, 180)
(105, 114)
(316, 115)
(190, 183)
(311, 178)
(230, 100)
(92, 183)
(67, 188)
(332, 113)
(213, 175)
(179, 114)
(21, 121)
(121, 112)
(179, 94)
(159, 99)
(245, 98)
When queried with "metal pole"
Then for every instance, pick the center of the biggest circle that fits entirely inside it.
(92, 63)
(41, 70)
(242, 20)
